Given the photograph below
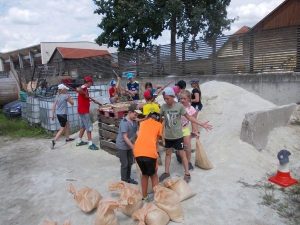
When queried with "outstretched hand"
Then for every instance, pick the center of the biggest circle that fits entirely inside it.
(207, 126)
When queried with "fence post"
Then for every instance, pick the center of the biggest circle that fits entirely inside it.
(158, 65)
(138, 63)
(183, 57)
(297, 69)
(214, 51)
(251, 53)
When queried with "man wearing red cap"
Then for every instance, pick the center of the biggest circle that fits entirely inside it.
(84, 113)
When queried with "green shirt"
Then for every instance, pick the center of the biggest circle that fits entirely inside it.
(173, 128)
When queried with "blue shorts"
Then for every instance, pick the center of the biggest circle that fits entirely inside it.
(85, 122)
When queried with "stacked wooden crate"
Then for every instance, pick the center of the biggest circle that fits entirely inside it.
(109, 119)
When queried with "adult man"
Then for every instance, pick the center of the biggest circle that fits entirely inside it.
(84, 113)
(133, 86)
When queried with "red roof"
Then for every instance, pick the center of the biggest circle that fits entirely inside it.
(242, 30)
(78, 53)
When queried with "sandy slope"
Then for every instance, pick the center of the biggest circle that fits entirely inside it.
(36, 177)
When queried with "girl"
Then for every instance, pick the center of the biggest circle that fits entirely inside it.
(196, 95)
(60, 109)
(185, 99)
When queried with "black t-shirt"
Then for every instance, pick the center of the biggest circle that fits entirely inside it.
(196, 105)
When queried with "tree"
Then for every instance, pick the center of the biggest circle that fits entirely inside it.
(135, 23)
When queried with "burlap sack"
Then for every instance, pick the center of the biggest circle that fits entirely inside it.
(130, 200)
(67, 222)
(87, 198)
(180, 187)
(105, 214)
(150, 214)
(201, 159)
(49, 222)
(168, 200)
(120, 185)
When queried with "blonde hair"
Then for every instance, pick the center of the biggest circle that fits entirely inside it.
(185, 93)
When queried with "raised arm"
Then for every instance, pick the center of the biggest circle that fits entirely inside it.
(205, 124)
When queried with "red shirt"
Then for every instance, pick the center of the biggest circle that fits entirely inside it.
(112, 92)
(83, 101)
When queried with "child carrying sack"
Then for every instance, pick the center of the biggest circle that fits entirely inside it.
(168, 200)
(201, 159)
(150, 214)
(180, 187)
(87, 198)
(105, 214)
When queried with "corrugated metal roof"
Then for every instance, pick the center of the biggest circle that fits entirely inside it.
(77, 53)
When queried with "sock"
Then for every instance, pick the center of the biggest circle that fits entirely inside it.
(79, 140)
(90, 143)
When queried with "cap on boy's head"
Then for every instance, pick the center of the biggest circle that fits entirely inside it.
(88, 79)
(283, 156)
(181, 84)
(129, 76)
(148, 94)
(62, 86)
(194, 82)
(169, 91)
(134, 108)
(113, 82)
(154, 115)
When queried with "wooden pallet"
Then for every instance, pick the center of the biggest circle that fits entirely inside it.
(108, 146)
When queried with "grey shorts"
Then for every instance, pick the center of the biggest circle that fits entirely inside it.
(85, 122)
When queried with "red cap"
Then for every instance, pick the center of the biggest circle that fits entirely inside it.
(88, 79)
(148, 95)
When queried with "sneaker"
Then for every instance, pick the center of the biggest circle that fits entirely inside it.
(52, 144)
(132, 181)
(178, 157)
(163, 176)
(146, 199)
(70, 139)
(191, 166)
(93, 147)
(187, 178)
(82, 143)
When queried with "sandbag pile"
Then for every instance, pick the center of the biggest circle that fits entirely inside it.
(150, 214)
(49, 222)
(86, 198)
(180, 187)
(105, 214)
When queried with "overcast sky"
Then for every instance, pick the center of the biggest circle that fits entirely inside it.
(28, 22)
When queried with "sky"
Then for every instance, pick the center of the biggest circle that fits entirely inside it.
(25, 23)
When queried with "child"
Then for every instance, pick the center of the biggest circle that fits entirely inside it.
(150, 105)
(113, 94)
(172, 112)
(60, 109)
(185, 99)
(124, 142)
(196, 95)
(145, 150)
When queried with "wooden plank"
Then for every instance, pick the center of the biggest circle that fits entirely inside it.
(108, 127)
(108, 135)
(108, 146)
(108, 120)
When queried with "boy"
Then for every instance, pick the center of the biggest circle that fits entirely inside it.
(133, 86)
(124, 142)
(84, 113)
(145, 150)
(172, 112)
(150, 105)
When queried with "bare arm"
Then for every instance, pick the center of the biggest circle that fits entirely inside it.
(205, 124)
(197, 98)
(70, 100)
(127, 140)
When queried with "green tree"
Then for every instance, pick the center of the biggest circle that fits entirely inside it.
(135, 23)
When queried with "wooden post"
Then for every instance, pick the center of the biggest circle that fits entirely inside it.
(158, 65)
(297, 69)
(183, 58)
(214, 56)
(251, 53)
(20, 61)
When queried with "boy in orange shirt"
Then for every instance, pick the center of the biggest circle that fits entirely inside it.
(145, 150)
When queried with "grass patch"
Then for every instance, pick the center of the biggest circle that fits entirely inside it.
(18, 128)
